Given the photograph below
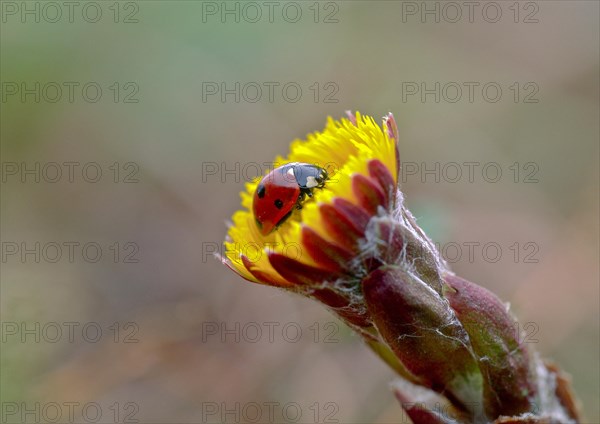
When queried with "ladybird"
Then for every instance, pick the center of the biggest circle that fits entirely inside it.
(282, 190)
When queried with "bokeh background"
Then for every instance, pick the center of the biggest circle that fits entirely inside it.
(158, 359)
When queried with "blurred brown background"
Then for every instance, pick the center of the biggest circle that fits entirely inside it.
(141, 237)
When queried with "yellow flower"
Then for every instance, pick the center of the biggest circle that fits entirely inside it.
(320, 242)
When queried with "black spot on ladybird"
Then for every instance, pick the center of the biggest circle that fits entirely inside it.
(278, 204)
(260, 190)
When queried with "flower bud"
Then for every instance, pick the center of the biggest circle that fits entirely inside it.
(423, 332)
(508, 383)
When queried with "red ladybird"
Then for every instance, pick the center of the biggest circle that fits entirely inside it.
(282, 190)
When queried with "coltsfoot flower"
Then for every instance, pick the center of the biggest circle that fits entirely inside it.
(329, 222)
(318, 250)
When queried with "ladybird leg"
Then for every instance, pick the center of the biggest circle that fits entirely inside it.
(306, 192)
(300, 199)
